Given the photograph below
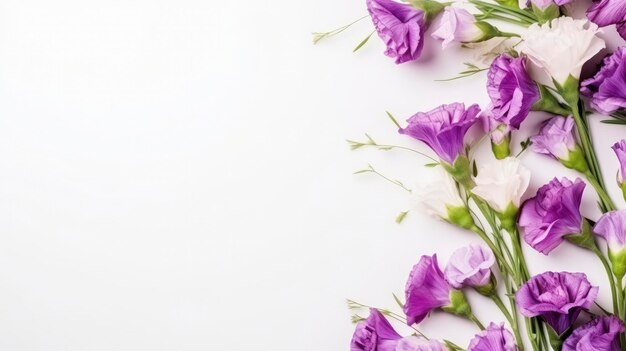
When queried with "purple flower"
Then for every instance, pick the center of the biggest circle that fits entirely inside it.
(511, 90)
(494, 338)
(607, 12)
(543, 4)
(376, 334)
(557, 297)
(443, 129)
(552, 214)
(426, 290)
(600, 334)
(620, 151)
(612, 227)
(556, 138)
(400, 26)
(607, 89)
(470, 266)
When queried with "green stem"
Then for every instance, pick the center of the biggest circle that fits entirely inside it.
(602, 194)
(498, 301)
(493, 248)
(609, 273)
(474, 319)
(508, 35)
(505, 19)
(521, 14)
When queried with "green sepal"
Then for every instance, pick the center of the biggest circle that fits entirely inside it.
(618, 263)
(431, 8)
(569, 90)
(585, 238)
(489, 289)
(556, 341)
(502, 150)
(576, 160)
(488, 31)
(458, 304)
(508, 218)
(549, 103)
(460, 216)
(460, 171)
(509, 3)
(548, 14)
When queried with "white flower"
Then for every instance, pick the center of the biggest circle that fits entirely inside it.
(457, 25)
(502, 183)
(562, 46)
(439, 195)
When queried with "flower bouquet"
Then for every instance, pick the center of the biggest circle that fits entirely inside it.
(535, 65)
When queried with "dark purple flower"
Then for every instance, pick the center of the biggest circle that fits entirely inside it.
(400, 26)
(552, 214)
(600, 334)
(607, 12)
(557, 297)
(620, 152)
(443, 129)
(494, 338)
(511, 91)
(607, 89)
(426, 290)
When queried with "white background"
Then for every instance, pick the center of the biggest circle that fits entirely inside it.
(174, 176)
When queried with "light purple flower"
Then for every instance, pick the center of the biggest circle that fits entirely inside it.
(557, 297)
(494, 338)
(607, 12)
(470, 266)
(400, 26)
(612, 227)
(457, 25)
(556, 138)
(607, 89)
(552, 214)
(426, 290)
(600, 334)
(620, 152)
(543, 4)
(511, 91)
(443, 129)
(376, 334)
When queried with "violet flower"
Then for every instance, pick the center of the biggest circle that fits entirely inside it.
(607, 89)
(612, 228)
(470, 266)
(426, 290)
(376, 334)
(511, 90)
(607, 12)
(556, 139)
(620, 152)
(552, 214)
(557, 297)
(400, 26)
(495, 338)
(600, 334)
(443, 129)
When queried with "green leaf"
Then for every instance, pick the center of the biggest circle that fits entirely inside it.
(398, 301)
(363, 171)
(363, 42)
(393, 119)
(474, 169)
(431, 165)
(614, 121)
(401, 217)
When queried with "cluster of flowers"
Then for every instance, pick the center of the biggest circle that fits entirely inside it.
(489, 199)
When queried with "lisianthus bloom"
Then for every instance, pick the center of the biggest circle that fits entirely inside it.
(607, 89)
(612, 227)
(502, 183)
(495, 338)
(552, 214)
(457, 25)
(400, 26)
(620, 151)
(607, 12)
(427, 290)
(376, 334)
(556, 139)
(511, 90)
(562, 46)
(443, 129)
(441, 199)
(600, 334)
(557, 297)
(470, 266)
